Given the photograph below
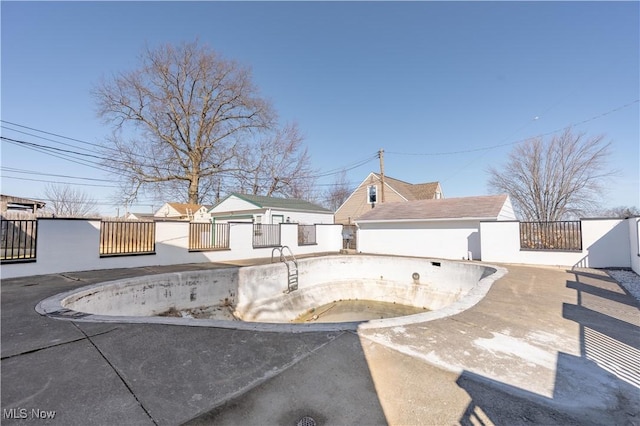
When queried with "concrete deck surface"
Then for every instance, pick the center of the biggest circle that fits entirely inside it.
(545, 346)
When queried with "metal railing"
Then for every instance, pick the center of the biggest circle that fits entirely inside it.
(208, 236)
(266, 235)
(306, 235)
(127, 238)
(562, 235)
(19, 238)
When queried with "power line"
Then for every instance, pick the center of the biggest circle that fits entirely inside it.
(347, 167)
(33, 144)
(330, 172)
(486, 148)
(32, 172)
(60, 182)
(48, 133)
(47, 139)
(98, 203)
(70, 155)
(82, 162)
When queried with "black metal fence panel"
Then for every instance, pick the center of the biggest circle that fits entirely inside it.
(127, 238)
(561, 235)
(208, 236)
(19, 238)
(266, 235)
(306, 235)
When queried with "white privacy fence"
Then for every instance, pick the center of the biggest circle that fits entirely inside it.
(65, 245)
(604, 243)
(595, 243)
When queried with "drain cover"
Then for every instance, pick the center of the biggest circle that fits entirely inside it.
(306, 421)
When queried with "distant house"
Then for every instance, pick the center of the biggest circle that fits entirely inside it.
(181, 211)
(260, 209)
(139, 216)
(11, 203)
(442, 228)
(369, 195)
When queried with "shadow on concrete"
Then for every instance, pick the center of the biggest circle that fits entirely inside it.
(155, 374)
(607, 368)
(101, 373)
(332, 386)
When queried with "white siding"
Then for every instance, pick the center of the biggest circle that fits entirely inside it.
(202, 215)
(233, 204)
(166, 211)
(507, 213)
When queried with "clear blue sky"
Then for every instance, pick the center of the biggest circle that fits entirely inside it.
(413, 78)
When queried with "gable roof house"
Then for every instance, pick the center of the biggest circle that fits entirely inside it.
(442, 228)
(369, 195)
(139, 216)
(183, 211)
(261, 209)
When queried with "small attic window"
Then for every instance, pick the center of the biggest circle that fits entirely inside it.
(372, 194)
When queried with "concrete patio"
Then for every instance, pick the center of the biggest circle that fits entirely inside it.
(545, 346)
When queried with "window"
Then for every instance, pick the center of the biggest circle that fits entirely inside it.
(372, 194)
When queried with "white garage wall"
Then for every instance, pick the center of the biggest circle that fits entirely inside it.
(441, 239)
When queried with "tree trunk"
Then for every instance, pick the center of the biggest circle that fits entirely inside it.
(194, 196)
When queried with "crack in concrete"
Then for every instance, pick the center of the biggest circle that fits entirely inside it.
(57, 344)
(220, 402)
(124, 382)
(71, 278)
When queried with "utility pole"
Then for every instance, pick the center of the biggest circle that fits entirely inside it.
(381, 156)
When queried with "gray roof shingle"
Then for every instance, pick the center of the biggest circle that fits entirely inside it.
(445, 208)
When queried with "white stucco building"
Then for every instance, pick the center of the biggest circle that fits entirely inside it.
(268, 210)
(447, 228)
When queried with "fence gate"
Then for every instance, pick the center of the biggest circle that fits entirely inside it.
(349, 237)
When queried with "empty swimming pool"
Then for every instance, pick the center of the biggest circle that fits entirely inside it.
(385, 290)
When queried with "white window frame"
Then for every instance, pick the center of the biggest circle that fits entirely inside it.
(368, 195)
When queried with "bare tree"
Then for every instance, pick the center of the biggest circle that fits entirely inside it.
(338, 192)
(180, 119)
(277, 166)
(560, 178)
(65, 201)
(620, 212)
